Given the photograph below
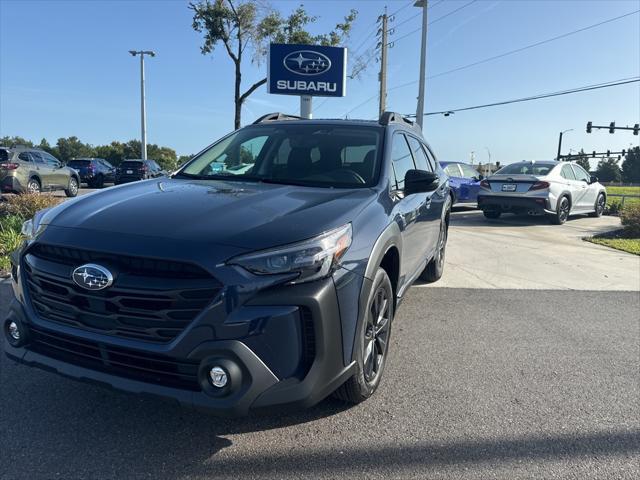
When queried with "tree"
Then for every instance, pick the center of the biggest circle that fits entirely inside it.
(631, 166)
(608, 170)
(71, 147)
(165, 156)
(240, 25)
(583, 160)
(7, 141)
(182, 159)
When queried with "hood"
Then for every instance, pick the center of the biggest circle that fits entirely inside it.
(240, 214)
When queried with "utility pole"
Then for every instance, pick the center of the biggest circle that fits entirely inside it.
(143, 112)
(423, 61)
(383, 62)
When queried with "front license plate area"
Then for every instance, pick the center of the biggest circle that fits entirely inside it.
(508, 187)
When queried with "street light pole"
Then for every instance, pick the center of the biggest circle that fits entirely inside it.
(560, 142)
(423, 62)
(143, 109)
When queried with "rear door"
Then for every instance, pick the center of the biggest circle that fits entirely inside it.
(406, 209)
(109, 170)
(44, 171)
(577, 189)
(429, 205)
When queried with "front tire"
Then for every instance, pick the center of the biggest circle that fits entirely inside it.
(72, 191)
(562, 211)
(372, 342)
(599, 206)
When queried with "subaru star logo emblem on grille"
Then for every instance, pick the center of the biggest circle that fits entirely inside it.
(307, 62)
(92, 277)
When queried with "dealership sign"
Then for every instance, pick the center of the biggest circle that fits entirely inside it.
(307, 70)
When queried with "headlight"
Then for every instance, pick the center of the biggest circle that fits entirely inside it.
(33, 227)
(311, 259)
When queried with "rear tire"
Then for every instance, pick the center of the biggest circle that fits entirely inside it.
(72, 191)
(33, 186)
(599, 206)
(563, 209)
(435, 268)
(372, 342)
(492, 214)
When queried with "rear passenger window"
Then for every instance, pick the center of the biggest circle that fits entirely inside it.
(419, 157)
(567, 172)
(24, 156)
(36, 157)
(401, 160)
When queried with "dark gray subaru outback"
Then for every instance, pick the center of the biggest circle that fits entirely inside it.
(265, 272)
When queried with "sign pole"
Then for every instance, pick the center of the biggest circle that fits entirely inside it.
(306, 103)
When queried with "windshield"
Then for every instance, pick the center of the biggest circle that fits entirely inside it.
(311, 155)
(526, 168)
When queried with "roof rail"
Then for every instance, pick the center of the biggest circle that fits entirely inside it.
(272, 117)
(393, 117)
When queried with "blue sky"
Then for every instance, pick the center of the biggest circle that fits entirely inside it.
(65, 70)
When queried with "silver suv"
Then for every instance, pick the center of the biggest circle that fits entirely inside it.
(31, 170)
(556, 189)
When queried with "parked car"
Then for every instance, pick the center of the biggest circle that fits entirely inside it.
(31, 170)
(556, 189)
(233, 291)
(95, 172)
(464, 181)
(132, 170)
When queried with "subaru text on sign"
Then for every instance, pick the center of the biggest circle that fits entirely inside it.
(307, 70)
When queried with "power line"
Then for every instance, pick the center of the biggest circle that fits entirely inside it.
(518, 50)
(433, 21)
(415, 16)
(402, 8)
(612, 83)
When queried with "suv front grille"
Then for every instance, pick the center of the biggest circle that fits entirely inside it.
(127, 363)
(151, 300)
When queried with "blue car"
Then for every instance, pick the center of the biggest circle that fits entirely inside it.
(464, 181)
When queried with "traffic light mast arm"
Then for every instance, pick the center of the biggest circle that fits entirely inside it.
(612, 127)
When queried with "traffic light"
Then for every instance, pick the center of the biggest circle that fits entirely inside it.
(497, 164)
(608, 153)
(593, 154)
(589, 127)
(624, 152)
(612, 127)
(636, 128)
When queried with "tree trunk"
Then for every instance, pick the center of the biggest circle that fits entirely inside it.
(238, 99)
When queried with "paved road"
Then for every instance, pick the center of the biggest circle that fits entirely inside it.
(530, 253)
(510, 384)
(535, 378)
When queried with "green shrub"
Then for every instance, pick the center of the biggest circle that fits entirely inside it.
(630, 217)
(25, 206)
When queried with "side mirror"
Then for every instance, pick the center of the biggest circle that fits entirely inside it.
(479, 177)
(593, 179)
(58, 165)
(419, 181)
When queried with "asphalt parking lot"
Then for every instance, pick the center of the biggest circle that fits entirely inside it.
(522, 363)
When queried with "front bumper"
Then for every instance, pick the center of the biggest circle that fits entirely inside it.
(261, 343)
(505, 203)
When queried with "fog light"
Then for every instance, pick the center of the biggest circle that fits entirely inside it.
(218, 377)
(14, 331)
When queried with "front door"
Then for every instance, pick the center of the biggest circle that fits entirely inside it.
(588, 200)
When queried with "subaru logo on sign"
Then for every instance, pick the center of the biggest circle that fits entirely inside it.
(307, 62)
(92, 277)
